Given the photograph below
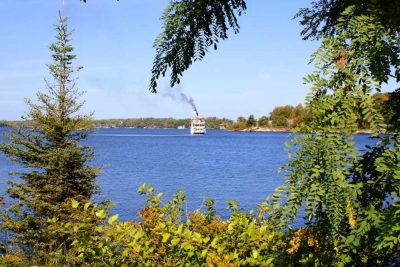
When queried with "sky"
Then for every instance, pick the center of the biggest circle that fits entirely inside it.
(250, 73)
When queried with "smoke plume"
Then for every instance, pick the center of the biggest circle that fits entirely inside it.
(190, 101)
(177, 95)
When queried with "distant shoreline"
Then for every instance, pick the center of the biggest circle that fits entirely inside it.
(253, 129)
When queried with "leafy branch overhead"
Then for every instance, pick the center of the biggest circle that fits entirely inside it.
(371, 28)
(322, 17)
(190, 27)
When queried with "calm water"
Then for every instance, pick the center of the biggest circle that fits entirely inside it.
(220, 165)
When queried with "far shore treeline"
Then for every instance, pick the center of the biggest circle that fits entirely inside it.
(211, 122)
(282, 117)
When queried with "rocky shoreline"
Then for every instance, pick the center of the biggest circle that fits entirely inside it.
(284, 130)
(266, 129)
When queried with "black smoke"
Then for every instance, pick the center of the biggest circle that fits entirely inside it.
(190, 101)
(177, 95)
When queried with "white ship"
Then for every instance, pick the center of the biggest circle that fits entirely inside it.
(197, 126)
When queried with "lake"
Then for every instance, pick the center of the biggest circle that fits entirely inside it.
(221, 165)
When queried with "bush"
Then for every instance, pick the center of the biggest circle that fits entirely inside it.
(163, 238)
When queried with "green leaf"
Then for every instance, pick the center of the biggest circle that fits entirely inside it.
(175, 241)
(113, 219)
(141, 189)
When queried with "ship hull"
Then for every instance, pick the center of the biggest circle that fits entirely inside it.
(197, 132)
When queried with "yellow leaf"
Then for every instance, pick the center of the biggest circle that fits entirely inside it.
(214, 242)
(255, 254)
(74, 203)
(165, 238)
(204, 252)
(86, 206)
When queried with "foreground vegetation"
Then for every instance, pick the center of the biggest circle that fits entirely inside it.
(167, 236)
(351, 200)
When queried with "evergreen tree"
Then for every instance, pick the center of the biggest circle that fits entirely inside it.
(251, 121)
(54, 164)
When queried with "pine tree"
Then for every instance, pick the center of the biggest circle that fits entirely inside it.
(54, 164)
(251, 121)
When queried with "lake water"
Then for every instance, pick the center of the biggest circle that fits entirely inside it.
(221, 165)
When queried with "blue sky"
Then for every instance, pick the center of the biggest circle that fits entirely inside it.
(250, 73)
